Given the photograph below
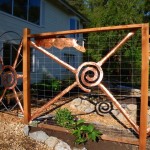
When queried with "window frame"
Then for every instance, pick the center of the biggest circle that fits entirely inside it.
(74, 24)
(11, 56)
(27, 19)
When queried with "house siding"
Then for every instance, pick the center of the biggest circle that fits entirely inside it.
(55, 19)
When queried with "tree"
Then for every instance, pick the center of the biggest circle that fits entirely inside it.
(147, 11)
(79, 5)
(104, 13)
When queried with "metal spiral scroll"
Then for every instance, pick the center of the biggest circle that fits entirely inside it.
(103, 108)
(89, 74)
(9, 77)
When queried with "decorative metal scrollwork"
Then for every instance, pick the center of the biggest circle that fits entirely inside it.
(88, 75)
(103, 108)
(9, 77)
(8, 74)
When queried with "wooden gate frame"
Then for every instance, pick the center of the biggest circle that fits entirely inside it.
(144, 70)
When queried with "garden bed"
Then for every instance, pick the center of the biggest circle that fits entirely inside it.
(67, 137)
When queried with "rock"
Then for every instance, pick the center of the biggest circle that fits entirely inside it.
(26, 130)
(115, 112)
(39, 136)
(82, 148)
(82, 105)
(124, 105)
(148, 112)
(84, 97)
(135, 91)
(148, 119)
(121, 117)
(133, 116)
(51, 142)
(75, 103)
(86, 107)
(62, 146)
(132, 107)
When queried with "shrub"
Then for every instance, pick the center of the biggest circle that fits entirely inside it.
(82, 131)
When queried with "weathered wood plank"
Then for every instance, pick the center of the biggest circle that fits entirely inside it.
(26, 76)
(126, 140)
(88, 30)
(144, 87)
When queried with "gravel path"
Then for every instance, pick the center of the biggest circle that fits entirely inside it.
(12, 136)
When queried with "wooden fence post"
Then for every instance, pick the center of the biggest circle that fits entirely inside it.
(26, 75)
(144, 86)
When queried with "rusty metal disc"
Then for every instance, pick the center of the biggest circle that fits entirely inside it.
(9, 77)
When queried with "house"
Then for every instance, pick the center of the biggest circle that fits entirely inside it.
(39, 16)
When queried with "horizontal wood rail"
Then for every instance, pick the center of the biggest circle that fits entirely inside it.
(88, 30)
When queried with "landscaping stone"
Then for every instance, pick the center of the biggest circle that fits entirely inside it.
(132, 107)
(135, 92)
(26, 130)
(86, 106)
(74, 148)
(39, 136)
(51, 142)
(82, 105)
(121, 117)
(84, 97)
(148, 119)
(148, 111)
(115, 112)
(124, 106)
(62, 146)
(75, 103)
(133, 116)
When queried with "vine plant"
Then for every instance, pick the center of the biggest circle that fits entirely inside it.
(82, 131)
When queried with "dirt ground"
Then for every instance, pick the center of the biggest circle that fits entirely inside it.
(12, 136)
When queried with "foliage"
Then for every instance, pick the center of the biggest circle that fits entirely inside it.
(48, 83)
(78, 4)
(102, 13)
(53, 85)
(64, 118)
(146, 17)
(83, 132)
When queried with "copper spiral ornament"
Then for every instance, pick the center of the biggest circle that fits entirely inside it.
(9, 77)
(88, 75)
(103, 108)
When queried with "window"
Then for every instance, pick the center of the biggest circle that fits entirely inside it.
(6, 6)
(74, 25)
(9, 55)
(20, 9)
(34, 11)
(25, 9)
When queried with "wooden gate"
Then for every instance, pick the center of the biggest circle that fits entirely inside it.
(84, 81)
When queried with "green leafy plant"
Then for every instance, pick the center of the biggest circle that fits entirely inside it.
(50, 84)
(82, 131)
(64, 118)
(55, 84)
